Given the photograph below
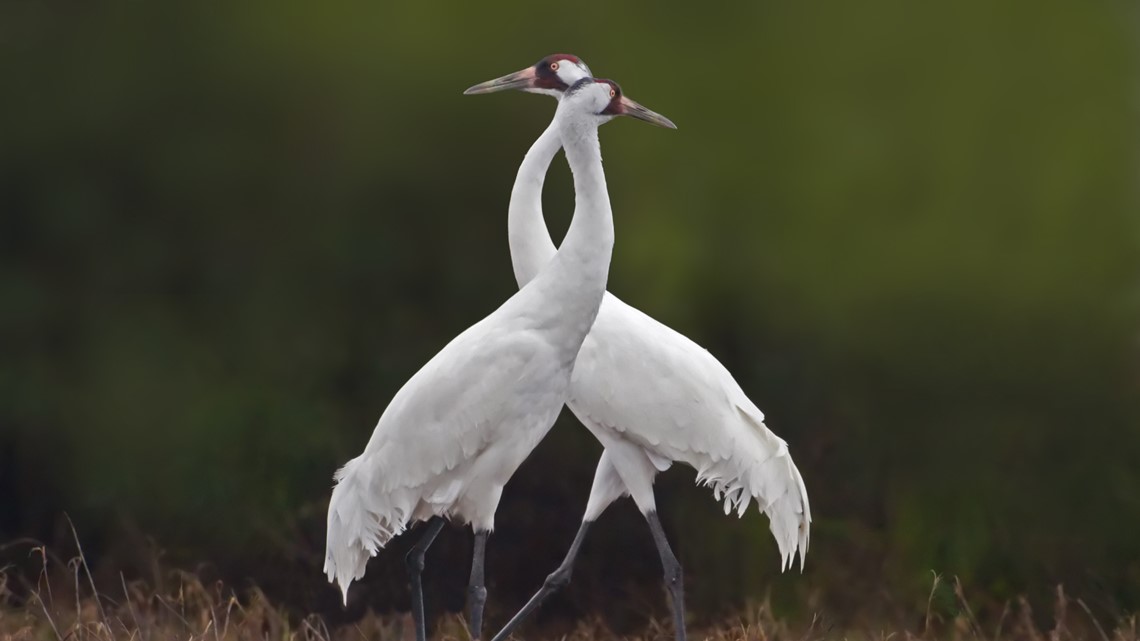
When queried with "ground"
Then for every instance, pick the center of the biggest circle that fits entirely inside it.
(62, 606)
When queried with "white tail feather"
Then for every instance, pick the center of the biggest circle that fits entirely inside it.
(779, 491)
(361, 522)
(790, 517)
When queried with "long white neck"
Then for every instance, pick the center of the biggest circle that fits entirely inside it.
(573, 282)
(590, 238)
(531, 245)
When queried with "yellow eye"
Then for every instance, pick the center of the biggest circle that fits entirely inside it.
(554, 66)
(612, 93)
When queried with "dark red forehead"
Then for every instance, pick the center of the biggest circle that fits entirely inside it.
(613, 85)
(615, 107)
(545, 71)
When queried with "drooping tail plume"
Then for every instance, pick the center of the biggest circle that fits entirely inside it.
(361, 521)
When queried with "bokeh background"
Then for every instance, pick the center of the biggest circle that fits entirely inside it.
(230, 231)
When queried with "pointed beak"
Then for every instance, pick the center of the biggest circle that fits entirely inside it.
(631, 108)
(518, 80)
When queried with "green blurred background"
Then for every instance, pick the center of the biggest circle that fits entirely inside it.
(230, 231)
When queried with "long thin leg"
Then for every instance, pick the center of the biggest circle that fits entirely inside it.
(476, 590)
(674, 580)
(415, 562)
(557, 579)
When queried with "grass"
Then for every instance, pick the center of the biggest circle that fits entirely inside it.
(63, 604)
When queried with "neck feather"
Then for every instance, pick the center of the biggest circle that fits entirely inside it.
(591, 233)
(574, 281)
(531, 245)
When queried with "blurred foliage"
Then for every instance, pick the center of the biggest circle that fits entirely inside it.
(230, 231)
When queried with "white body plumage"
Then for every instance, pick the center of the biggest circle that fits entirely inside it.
(651, 396)
(460, 427)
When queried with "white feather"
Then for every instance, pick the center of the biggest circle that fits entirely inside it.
(639, 384)
(459, 428)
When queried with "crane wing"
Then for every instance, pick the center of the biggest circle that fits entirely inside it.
(472, 393)
(662, 391)
(451, 409)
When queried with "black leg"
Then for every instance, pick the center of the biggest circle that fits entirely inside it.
(415, 563)
(476, 590)
(557, 579)
(674, 581)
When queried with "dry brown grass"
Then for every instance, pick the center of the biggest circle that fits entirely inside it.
(62, 604)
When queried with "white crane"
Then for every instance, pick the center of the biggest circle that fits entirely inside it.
(650, 395)
(459, 428)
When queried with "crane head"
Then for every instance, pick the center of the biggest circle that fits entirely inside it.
(608, 102)
(551, 76)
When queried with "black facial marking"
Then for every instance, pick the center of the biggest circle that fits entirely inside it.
(614, 108)
(547, 78)
(578, 85)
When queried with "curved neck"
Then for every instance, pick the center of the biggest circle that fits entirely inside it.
(531, 245)
(591, 230)
(573, 283)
